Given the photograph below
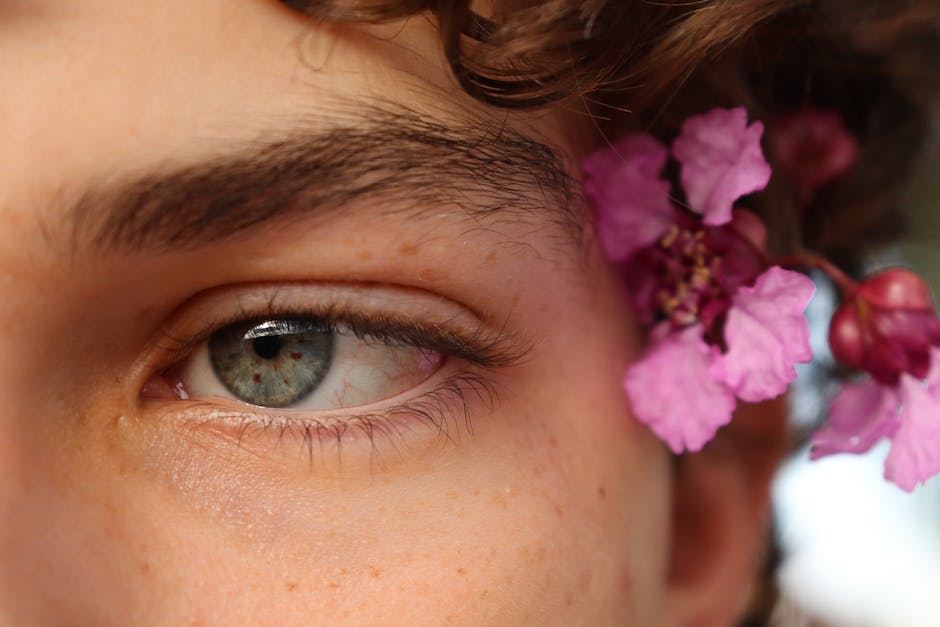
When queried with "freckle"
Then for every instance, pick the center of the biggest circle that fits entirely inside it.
(365, 255)
(553, 441)
(145, 568)
(256, 378)
(332, 585)
(626, 580)
(291, 586)
(430, 274)
(375, 572)
(569, 600)
(295, 355)
(560, 511)
(461, 571)
(490, 257)
(602, 492)
(408, 248)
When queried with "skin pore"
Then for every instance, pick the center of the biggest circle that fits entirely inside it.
(170, 168)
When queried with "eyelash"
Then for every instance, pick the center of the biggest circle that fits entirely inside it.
(446, 407)
(475, 348)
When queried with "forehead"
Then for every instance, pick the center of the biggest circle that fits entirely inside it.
(98, 85)
(98, 90)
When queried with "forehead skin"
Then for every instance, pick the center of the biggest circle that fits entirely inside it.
(552, 511)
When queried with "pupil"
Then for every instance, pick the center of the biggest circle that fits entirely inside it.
(267, 347)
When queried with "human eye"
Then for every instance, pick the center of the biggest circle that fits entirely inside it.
(326, 364)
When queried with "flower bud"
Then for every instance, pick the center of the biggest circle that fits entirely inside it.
(887, 327)
(812, 148)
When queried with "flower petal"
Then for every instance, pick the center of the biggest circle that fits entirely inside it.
(767, 333)
(674, 390)
(633, 207)
(721, 161)
(915, 448)
(861, 414)
(933, 375)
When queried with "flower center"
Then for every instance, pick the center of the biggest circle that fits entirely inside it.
(689, 286)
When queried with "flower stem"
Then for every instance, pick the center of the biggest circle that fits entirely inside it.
(805, 259)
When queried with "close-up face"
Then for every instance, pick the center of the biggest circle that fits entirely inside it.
(432, 312)
(296, 332)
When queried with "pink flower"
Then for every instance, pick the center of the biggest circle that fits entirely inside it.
(860, 416)
(684, 388)
(676, 389)
(721, 161)
(907, 412)
(915, 447)
(632, 201)
(889, 329)
(767, 334)
(726, 326)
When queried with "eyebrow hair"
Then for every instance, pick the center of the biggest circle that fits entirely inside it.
(480, 165)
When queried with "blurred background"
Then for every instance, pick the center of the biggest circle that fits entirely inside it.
(859, 552)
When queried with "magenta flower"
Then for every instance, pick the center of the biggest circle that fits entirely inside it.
(888, 329)
(721, 161)
(625, 181)
(677, 389)
(908, 413)
(724, 325)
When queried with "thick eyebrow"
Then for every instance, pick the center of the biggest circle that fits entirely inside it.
(480, 165)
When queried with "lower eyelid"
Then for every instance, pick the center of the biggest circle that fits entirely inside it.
(436, 415)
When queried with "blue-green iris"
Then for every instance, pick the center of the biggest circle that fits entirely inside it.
(272, 363)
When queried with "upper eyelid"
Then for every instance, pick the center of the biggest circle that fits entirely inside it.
(458, 331)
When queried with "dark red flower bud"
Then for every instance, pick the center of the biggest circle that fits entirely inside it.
(887, 327)
(812, 148)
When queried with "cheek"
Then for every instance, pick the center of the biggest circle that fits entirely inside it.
(562, 519)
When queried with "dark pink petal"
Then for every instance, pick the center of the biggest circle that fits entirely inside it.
(767, 333)
(915, 447)
(674, 390)
(632, 202)
(721, 161)
(860, 416)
